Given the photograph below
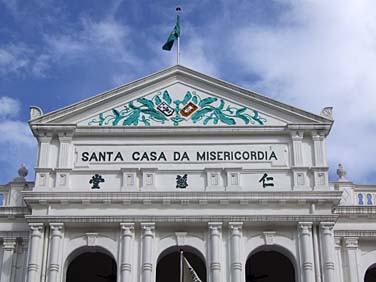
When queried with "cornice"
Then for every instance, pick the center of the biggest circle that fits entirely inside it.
(355, 233)
(13, 212)
(15, 235)
(356, 210)
(182, 131)
(183, 219)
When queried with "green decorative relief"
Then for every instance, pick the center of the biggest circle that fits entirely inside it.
(163, 109)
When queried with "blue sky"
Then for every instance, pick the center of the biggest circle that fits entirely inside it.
(310, 54)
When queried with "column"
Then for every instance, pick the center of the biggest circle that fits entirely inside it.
(215, 230)
(306, 244)
(9, 247)
(64, 150)
(33, 266)
(339, 271)
(236, 262)
(351, 249)
(54, 266)
(147, 250)
(316, 252)
(21, 260)
(126, 251)
(328, 251)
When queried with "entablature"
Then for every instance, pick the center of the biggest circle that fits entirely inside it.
(262, 219)
(245, 198)
(14, 212)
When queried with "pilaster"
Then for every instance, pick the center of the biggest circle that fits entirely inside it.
(297, 138)
(300, 178)
(44, 143)
(319, 156)
(65, 150)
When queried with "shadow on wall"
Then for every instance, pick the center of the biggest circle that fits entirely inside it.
(92, 267)
(269, 266)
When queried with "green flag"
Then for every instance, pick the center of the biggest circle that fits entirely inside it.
(175, 33)
(189, 274)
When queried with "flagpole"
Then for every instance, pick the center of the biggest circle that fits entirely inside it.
(181, 265)
(178, 10)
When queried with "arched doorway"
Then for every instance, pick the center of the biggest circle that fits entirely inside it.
(168, 267)
(92, 266)
(370, 275)
(269, 266)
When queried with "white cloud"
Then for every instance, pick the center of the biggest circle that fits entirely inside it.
(13, 58)
(194, 56)
(106, 38)
(87, 39)
(17, 144)
(16, 133)
(322, 53)
(9, 107)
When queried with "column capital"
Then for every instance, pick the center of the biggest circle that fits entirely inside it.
(56, 229)
(25, 243)
(44, 138)
(9, 244)
(235, 224)
(148, 229)
(215, 228)
(296, 135)
(215, 225)
(235, 227)
(351, 242)
(305, 227)
(36, 229)
(127, 229)
(65, 136)
(327, 227)
(337, 242)
(318, 135)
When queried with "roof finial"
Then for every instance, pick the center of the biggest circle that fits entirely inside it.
(327, 112)
(341, 172)
(22, 171)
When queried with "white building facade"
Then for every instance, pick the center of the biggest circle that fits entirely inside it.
(181, 161)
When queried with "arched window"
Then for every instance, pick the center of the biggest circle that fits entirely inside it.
(168, 267)
(369, 199)
(92, 266)
(360, 199)
(269, 266)
(370, 275)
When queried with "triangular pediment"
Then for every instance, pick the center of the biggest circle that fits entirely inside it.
(180, 105)
(179, 97)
